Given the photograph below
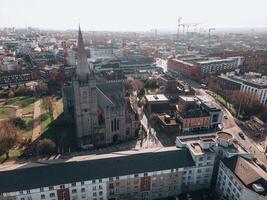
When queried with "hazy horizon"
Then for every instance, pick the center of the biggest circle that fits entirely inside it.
(128, 15)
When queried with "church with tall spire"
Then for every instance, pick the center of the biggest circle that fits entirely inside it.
(98, 111)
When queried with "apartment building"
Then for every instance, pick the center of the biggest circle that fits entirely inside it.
(252, 84)
(197, 114)
(138, 176)
(202, 67)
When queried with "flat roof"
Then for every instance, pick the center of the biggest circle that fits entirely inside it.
(156, 97)
(216, 61)
(187, 98)
(62, 173)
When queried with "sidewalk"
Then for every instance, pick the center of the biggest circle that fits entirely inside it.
(37, 120)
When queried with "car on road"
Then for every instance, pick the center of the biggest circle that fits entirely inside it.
(242, 135)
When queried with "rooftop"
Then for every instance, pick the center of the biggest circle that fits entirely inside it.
(216, 61)
(56, 174)
(156, 98)
(247, 172)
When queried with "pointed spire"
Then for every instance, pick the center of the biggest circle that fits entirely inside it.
(82, 69)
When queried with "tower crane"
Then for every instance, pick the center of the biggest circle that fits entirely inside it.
(178, 30)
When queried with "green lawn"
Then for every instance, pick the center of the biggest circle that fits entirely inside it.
(23, 102)
(6, 112)
(27, 132)
(45, 118)
(14, 154)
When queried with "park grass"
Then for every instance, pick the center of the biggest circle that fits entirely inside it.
(24, 102)
(45, 118)
(14, 154)
(27, 132)
(7, 112)
(58, 108)
(29, 108)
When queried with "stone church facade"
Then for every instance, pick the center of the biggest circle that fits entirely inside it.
(99, 111)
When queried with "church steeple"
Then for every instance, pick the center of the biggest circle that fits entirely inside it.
(82, 69)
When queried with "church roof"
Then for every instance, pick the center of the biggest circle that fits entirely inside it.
(111, 87)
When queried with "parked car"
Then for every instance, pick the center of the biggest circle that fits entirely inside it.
(241, 135)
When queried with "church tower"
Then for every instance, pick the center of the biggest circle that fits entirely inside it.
(85, 98)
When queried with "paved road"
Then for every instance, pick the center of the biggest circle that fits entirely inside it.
(37, 120)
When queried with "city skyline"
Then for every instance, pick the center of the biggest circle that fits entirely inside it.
(132, 15)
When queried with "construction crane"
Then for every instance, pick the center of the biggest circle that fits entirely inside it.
(210, 29)
(155, 32)
(188, 25)
(178, 30)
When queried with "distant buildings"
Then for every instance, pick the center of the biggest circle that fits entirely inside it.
(99, 111)
(254, 85)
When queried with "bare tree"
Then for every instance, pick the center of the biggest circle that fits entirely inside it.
(48, 105)
(9, 136)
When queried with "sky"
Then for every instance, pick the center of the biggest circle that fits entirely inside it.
(132, 15)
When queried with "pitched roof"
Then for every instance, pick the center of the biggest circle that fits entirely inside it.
(56, 174)
(246, 171)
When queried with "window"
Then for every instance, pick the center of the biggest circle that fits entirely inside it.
(74, 191)
(42, 196)
(22, 198)
(145, 174)
(117, 178)
(100, 187)
(83, 190)
(52, 195)
(62, 186)
(100, 193)
(82, 183)
(94, 194)
(200, 158)
(51, 188)
(41, 189)
(111, 179)
(100, 180)
(28, 191)
(73, 184)
(94, 188)
(136, 175)
(93, 181)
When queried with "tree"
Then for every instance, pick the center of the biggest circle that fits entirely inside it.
(8, 136)
(133, 84)
(42, 87)
(10, 93)
(46, 147)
